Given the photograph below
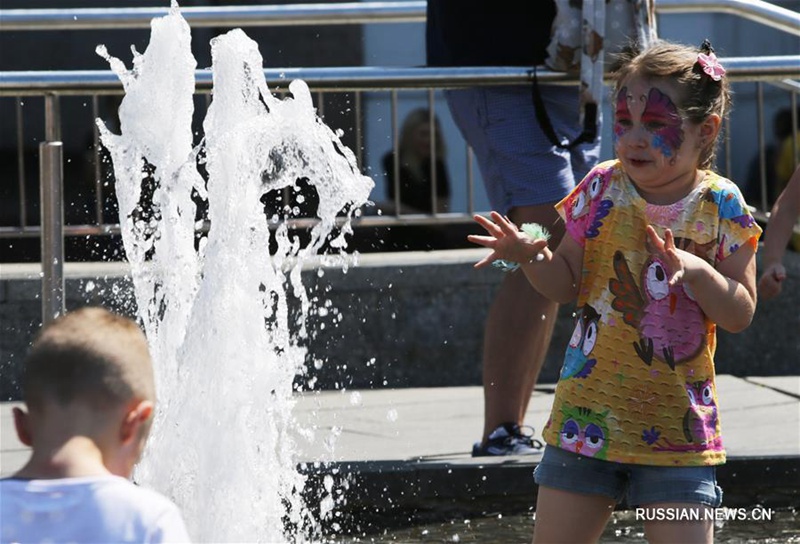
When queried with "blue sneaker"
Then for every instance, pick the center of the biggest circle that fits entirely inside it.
(507, 439)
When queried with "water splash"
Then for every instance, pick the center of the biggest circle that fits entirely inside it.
(220, 319)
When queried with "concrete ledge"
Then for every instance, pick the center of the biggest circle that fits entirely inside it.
(386, 493)
(411, 319)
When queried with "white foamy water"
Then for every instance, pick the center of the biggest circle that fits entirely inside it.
(220, 321)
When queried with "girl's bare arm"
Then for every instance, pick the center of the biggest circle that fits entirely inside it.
(556, 275)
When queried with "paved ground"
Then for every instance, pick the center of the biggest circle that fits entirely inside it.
(408, 448)
(760, 416)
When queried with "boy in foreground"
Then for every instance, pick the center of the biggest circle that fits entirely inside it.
(89, 392)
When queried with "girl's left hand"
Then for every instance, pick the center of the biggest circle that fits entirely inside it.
(682, 265)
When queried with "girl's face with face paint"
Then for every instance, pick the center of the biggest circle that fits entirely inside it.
(658, 148)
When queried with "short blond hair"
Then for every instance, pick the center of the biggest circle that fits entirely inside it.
(89, 355)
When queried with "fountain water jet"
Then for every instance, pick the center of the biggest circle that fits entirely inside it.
(220, 319)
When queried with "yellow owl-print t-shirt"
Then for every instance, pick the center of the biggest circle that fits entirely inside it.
(637, 383)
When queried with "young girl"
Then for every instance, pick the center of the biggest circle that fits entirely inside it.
(660, 251)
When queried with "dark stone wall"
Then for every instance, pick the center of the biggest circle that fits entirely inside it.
(407, 320)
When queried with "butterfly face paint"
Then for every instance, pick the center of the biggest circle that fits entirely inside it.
(661, 118)
(657, 114)
(657, 147)
(622, 116)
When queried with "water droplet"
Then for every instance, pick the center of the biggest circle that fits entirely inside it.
(89, 286)
(355, 398)
(391, 415)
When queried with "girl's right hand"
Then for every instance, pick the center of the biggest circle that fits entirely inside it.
(770, 284)
(507, 242)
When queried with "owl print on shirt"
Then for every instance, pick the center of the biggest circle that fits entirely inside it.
(671, 324)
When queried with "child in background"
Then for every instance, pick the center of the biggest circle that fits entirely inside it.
(782, 220)
(89, 391)
(660, 251)
(414, 157)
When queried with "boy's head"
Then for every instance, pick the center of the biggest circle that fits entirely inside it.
(89, 372)
(89, 355)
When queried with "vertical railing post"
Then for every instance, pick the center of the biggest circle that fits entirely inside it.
(432, 150)
(470, 182)
(23, 199)
(762, 147)
(795, 147)
(51, 180)
(359, 134)
(398, 207)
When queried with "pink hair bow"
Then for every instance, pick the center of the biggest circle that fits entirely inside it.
(711, 66)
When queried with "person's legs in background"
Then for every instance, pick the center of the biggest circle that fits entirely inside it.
(524, 175)
(517, 333)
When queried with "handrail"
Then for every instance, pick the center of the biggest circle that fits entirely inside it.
(320, 79)
(333, 14)
(754, 10)
(216, 16)
(72, 82)
(787, 85)
(35, 231)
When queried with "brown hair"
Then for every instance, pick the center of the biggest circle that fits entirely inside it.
(89, 355)
(701, 96)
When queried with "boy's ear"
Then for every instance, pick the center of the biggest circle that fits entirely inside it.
(136, 416)
(21, 424)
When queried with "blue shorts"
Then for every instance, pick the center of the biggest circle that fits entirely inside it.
(640, 485)
(519, 164)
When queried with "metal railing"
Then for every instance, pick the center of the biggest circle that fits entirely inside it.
(333, 14)
(358, 80)
(775, 70)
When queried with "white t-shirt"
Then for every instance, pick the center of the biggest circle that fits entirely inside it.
(97, 509)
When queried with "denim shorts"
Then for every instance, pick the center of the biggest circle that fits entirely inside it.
(639, 485)
(518, 163)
